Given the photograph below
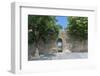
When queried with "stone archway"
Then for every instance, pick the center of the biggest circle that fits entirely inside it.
(62, 37)
(60, 45)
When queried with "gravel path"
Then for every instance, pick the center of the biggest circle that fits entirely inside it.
(57, 56)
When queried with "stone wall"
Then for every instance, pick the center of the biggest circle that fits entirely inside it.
(68, 45)
(75, 45)
(43, 48)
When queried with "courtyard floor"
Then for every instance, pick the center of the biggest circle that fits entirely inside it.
(62, 55)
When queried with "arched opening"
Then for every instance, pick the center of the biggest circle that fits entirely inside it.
(59, 45)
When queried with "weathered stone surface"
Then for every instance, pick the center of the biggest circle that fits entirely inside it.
(69, 45)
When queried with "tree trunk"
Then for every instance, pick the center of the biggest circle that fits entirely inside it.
(36, 50)
(82, 46)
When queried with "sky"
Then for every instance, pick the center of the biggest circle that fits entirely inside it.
(62, 20)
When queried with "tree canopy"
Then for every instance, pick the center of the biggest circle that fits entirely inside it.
(78, 27)
(42, 28)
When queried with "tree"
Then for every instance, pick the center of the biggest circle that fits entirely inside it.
(41, 28)
(78, 27)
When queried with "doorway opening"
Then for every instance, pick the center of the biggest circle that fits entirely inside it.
(60, 45)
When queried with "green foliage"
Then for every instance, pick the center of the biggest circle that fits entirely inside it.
(78, 27)
(42, 28)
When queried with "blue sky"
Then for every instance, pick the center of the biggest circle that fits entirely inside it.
(62, 20)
